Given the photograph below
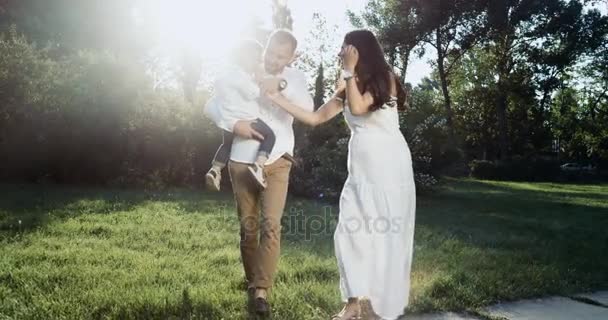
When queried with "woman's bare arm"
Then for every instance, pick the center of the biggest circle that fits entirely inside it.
(358, 103)
(325, 113)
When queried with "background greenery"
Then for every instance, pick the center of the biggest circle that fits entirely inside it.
(519, 84)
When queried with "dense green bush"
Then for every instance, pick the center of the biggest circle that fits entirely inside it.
(321, 155)
(517, 169)
(93, 118)
(483, 169)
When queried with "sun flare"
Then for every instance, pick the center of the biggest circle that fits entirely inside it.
(207, 26)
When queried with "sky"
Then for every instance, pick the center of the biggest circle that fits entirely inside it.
(213, 27)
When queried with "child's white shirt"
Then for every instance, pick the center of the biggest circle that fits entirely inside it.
(235, 98)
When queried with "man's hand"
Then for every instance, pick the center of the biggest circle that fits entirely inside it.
(244, 130)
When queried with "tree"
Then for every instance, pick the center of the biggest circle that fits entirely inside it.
(319, 97)
(547, 36)
(473, 88)
(321, 151)
(395, 24)
(451, 27)
(191, 67)
(281, 15)
(320, 47)
(592, 115)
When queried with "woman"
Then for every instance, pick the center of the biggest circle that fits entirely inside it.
(374, 237)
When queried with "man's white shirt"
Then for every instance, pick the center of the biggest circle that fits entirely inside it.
(279, 120)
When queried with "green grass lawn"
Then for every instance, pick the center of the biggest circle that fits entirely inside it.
(96, 253)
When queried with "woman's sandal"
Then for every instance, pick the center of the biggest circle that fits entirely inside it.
(367, 311)
(341, 316)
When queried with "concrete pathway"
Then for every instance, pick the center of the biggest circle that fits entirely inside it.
(597, 297)
(588, 306)
(556, 308)
(440, 316)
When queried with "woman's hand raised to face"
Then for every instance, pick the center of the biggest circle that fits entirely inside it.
(350, 57)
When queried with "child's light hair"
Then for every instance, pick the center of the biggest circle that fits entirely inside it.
(247, 47)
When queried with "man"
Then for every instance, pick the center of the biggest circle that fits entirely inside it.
(260, 258)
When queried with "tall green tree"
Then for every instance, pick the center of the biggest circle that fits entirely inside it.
(281, 15)
(319, 96)
(514, 26)
(320, 47)
(451, 27)
(395, 23)
(473, 88)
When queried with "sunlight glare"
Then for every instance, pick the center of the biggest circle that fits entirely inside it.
(207, 26)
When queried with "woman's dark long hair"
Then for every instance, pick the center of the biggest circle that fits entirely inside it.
(374, 73)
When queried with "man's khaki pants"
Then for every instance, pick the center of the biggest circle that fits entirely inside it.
(260, 258)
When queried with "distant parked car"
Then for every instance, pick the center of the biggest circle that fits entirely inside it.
(576, 167)
(571, 167)
(588, 168)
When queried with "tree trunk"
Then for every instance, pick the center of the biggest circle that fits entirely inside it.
(501, 115)
(444, 87)
(192, 65)
(405, 59)
(503, 70)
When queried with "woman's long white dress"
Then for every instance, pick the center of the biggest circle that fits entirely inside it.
(375, 233)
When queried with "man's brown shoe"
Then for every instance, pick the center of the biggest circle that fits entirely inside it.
(262, 308)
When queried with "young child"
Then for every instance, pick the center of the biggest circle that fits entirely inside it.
(235, 97)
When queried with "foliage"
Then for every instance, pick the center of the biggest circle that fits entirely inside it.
(500, 64)
(517, 169)
(83, 98)
(92, 117)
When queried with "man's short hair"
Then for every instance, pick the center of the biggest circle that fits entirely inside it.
(283, 36)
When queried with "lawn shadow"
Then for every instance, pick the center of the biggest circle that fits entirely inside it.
(503, 241)
(306, 224)
(493, 209)
(26, 207)
(184, 308)
(309, 225)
